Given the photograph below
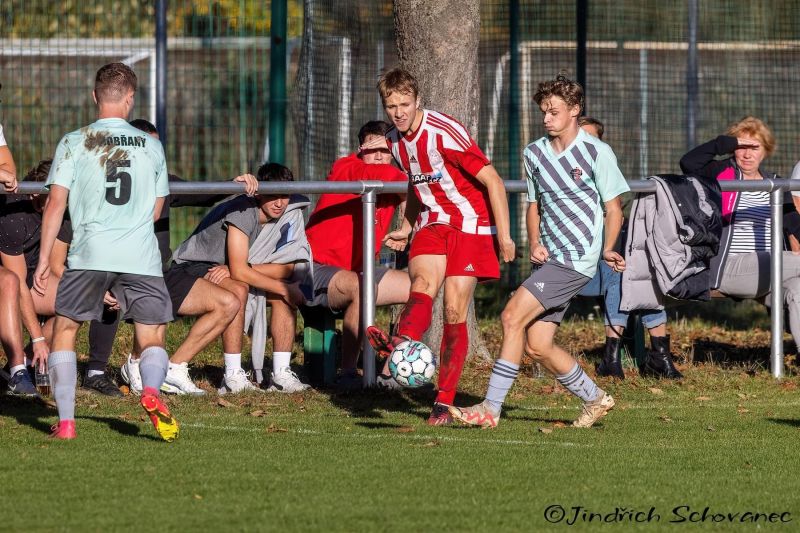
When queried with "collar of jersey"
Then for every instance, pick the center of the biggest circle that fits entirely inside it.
(548, 145)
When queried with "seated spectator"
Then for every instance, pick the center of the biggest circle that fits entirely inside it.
(607, 283)
(19, 380)
(791, 217)
(741, 269)
(102, 332)
(20, 235)
(335, 233)
(213, 265)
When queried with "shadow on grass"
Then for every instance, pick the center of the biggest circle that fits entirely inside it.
(793, 422)
(121, 426)
(729, 355)
(29, 412)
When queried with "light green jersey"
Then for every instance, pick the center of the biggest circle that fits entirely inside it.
(114, 173)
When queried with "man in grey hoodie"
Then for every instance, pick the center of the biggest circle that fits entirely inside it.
(213, 265)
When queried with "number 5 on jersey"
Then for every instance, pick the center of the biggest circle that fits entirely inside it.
(118, 183)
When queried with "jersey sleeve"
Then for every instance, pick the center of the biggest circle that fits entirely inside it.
(607, 175)
(530, 166)
(469, 158)
(162, 178)
(243, 219)
(62, 170)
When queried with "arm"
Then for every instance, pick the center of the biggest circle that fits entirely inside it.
(613, 223)
(238, 247)
(51, 222)
(539, 253)
(489, 177)
(701, 160)
(398, 239)
(8, 170)
(159, 206)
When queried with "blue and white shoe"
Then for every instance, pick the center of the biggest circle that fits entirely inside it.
(20, 384)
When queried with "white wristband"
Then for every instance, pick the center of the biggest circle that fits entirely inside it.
(37, 339)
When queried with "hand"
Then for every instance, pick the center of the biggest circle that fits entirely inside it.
(40, 352)
(614, 260)
(111, 301)
(396, 240)
(250, 183)
(40, 277)
(508, 250)
(9, 181)
(375, 144)
(745, 144)
(539, 254)
(216, 274)
(294, 296)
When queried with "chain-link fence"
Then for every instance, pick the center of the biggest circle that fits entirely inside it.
(218, 74)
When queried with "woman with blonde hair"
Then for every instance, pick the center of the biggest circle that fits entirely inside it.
(741, 268)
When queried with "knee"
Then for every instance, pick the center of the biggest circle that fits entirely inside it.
(420, 284)
(9, 283)
(230, 304)
(240, 292)
(510, 320)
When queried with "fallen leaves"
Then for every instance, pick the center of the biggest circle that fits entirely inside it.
(665, 418)
(222, 402)
(703, 398)
(405, 429)
(257, 413)
(272, 428)
(546, 431)
(655, 390)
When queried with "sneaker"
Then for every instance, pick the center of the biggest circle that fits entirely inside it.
(478, 415)
(594, 411)
(286, 381)
(387, 383)
(64, 430)
(236, 383)
(20, 384)
(130, 375)
(178, 381)
(102, 384)
(382, 342)
(162, 420)
(440, 415)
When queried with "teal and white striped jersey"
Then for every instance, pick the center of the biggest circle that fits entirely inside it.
(114, 173)
(570, 189)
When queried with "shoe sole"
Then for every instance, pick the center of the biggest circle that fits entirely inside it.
(173, 389)
(380, 342)
(163, 422)
(458, 414)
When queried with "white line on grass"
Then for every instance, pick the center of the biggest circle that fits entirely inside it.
(358, 435)
(657, 406)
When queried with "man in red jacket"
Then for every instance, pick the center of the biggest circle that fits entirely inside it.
(336, 237)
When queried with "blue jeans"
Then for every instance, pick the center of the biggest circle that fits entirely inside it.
(608, 284)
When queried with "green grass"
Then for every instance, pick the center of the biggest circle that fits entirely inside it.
(724, 438)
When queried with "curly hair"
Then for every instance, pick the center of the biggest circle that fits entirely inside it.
(754, 127)
(566, 89)
(40, 171)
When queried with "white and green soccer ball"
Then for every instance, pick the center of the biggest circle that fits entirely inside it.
(412, 364)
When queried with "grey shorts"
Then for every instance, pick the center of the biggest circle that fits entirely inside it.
(323, 274)
(142, 299)
(554, 285)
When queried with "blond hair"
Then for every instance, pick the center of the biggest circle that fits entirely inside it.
(397, 80)
(754, 127)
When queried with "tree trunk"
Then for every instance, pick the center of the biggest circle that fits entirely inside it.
(438, 43)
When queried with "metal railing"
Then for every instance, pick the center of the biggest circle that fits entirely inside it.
(370, 189)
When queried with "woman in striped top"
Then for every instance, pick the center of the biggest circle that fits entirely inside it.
(741, 268)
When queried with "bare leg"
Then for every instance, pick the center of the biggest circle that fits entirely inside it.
(10, 320)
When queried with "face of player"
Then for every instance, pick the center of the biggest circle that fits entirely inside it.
(591, 129)
(749, 159)
(273, 206)
(403, 110)
(557, 116)
(378, 156)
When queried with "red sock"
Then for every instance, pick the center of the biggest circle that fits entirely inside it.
(416, 316)
(455, 345)
(150, 390)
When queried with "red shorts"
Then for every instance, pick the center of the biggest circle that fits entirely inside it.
(467, 254)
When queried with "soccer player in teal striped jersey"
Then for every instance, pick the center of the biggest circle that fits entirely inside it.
(113, 177)
(572, 178)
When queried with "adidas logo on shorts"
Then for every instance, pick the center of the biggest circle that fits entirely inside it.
(469, 268)
(539, 285)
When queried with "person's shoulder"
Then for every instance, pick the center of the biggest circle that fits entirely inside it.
(535, 148)
(448, 127)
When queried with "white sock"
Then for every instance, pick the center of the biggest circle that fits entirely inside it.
(93, 373)
(280, 360)
(16, 368)
(233, 362)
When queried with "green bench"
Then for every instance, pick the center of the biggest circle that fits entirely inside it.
(320, 345)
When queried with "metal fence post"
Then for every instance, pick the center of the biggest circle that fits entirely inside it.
(776, 282)
(161, 70)
(368, 277)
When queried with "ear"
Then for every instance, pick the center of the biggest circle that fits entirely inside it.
(94, 97)
(419, 102)
(575, 111)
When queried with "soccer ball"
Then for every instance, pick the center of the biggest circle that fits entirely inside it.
(412, 364)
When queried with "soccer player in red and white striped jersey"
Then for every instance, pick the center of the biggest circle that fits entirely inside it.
(458, 208)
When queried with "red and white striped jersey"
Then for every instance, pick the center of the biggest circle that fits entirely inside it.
(441, 161)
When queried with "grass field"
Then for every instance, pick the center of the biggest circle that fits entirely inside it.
(725, 438)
